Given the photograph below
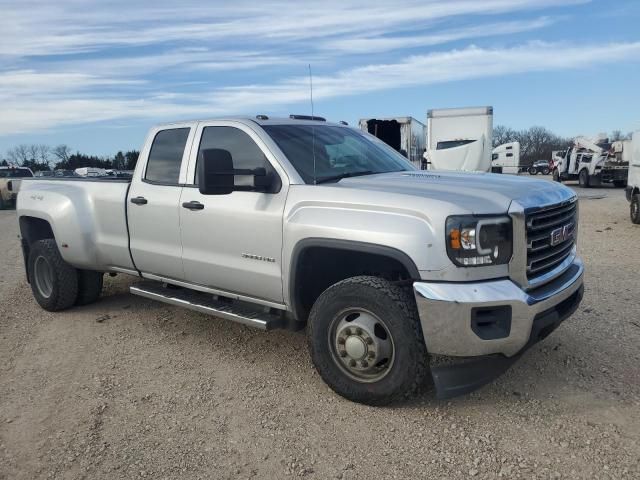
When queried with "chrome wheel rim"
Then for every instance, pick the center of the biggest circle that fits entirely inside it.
(43, 276)
(361, 345)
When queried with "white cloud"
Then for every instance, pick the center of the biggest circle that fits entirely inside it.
(43, 108)
(387, 43)
(71, 26)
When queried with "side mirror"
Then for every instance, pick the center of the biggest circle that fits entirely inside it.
(216, 175)
(215, 172)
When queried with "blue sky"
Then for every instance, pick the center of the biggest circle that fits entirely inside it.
(97, 75)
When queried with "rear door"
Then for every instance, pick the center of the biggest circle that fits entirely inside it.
(234, 242)
(153, 203)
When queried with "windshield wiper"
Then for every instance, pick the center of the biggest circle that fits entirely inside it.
(337, 178)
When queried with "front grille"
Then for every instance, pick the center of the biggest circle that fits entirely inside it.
(551, 234)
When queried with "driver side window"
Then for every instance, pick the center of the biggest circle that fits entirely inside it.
(244, 151)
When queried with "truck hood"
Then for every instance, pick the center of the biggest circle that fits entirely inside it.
(478, 193)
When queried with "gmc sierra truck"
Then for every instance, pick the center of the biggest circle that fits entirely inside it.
(396, 273)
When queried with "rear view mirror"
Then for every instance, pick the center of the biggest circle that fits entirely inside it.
(216, 175)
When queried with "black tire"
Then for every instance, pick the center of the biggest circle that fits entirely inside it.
(61, 289)
(89, 286)
(634, 209)
(533, 171)
(556, 175)
(583, 178)
(545, 171)
(405, 371)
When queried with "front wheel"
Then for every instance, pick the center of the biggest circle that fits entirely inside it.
(556, 175)
(54, 282)
(545, 171)
(366, 341)
(635, 209)
(583, 179)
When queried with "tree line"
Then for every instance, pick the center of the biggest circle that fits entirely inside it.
(537, 143)
(40, 157)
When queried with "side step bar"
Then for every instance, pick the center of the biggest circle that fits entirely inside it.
(209, 304)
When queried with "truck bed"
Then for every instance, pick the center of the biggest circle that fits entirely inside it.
(88, 215)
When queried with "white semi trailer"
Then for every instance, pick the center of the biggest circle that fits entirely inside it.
(506, 159)
(405, 134)
(460, 139)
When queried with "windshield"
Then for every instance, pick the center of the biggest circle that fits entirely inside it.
(339, 152)
(15, 173)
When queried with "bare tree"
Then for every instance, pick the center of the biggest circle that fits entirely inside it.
(502, 135)
(617, 135)
(19, 154)
(62, 152)
(43, 155)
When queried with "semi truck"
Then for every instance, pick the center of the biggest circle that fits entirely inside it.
(396, 273)
(460, 139)
(505, 158)
(592, 163)
(404, 134)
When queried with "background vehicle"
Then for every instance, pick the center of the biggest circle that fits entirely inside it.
(592, 162)
(404, 134)
(460, 139)
(633, 187)
(10, 182)
(91, 172)
(540, 166)
(506, 158)
(282, 223)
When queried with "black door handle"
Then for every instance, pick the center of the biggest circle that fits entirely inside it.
(139, 200)
(193, 205)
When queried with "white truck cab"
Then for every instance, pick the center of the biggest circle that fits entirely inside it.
(505, 158)
(633, 185)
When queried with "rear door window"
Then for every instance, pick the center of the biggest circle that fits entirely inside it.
(165, 157)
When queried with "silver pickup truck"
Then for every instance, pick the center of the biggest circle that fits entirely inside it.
(396, 273)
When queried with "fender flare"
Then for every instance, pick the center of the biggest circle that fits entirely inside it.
(339, 244)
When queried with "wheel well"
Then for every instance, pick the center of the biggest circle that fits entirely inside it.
(33, 229)
(315, 268)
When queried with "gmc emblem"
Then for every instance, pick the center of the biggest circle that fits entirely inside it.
(562, 234)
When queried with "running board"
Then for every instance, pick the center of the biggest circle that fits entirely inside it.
(206, 303)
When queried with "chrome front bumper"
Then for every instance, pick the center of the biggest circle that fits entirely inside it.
(457, 318)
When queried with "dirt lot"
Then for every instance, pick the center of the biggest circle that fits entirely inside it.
(128, 388)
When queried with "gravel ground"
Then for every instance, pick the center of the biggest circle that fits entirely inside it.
(128, 388)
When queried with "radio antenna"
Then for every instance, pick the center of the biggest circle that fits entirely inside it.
(313, 130)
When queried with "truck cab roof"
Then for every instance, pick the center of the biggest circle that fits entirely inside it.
(260, 120)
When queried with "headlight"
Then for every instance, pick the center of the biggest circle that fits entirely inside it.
(474, 241)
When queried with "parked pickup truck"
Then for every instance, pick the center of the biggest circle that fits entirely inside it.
(284, 223)
(10, 181)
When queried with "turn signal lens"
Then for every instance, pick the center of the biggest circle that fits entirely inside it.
(454, 239)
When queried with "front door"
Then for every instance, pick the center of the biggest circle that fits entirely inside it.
(233, 242)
